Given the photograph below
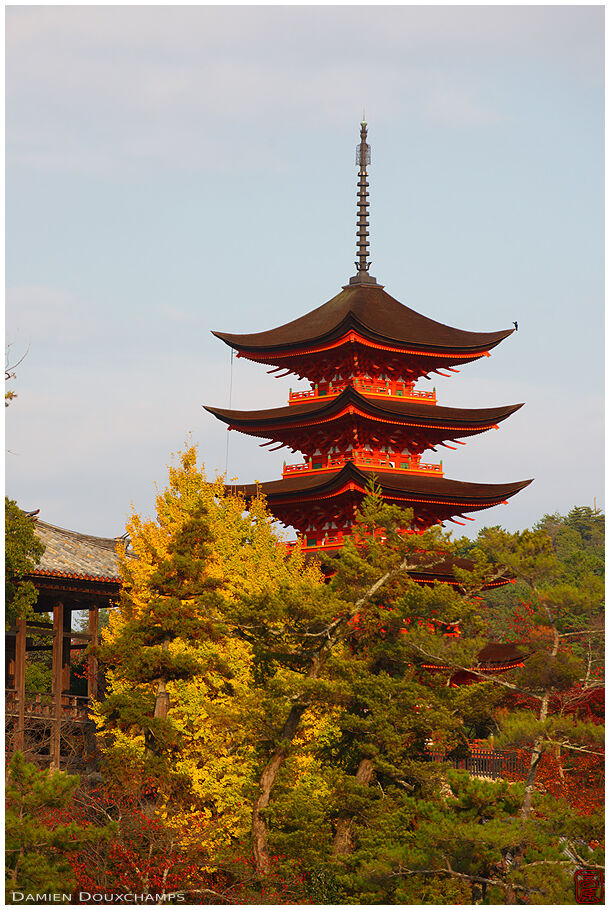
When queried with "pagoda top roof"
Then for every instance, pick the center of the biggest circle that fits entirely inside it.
(391, 407)
(411, 487)
(372, 312)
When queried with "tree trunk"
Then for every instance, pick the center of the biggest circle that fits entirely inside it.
(537, 753)
(538, 750)
(530, 783)
(260, 844)
(162, 701)
(342, 843)
(161, 705)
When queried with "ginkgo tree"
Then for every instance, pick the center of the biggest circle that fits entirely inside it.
(183, 711)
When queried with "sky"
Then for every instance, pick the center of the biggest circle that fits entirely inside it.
(180, 169)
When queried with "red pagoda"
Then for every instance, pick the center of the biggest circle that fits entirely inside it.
(363, 419)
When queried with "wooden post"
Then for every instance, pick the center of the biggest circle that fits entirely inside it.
(9, 656)
(92, 669)
(57, 674)
(66, 651)
(20, 643)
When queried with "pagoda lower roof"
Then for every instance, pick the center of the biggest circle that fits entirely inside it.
(501, 652)
(443, 571)
(426, 495)
(397, 411)
(373, 313)
(495, 657)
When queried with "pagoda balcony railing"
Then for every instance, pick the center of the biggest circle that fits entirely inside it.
(332, 539)
(317, 541)
(378, 388)
(41, 706)
(492, 764)
(363, 459)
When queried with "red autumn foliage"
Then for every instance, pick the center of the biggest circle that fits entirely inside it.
(145, 856)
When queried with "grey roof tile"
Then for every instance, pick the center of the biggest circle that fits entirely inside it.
(77, 555)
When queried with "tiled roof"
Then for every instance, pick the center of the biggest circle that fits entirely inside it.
(501, 652)
(370, 310)
(434, 489)
(69, 554)
(469, 419)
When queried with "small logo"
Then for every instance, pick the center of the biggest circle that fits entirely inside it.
(589, 886)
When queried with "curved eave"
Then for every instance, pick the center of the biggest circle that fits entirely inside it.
(495, 657)
(408, 488)
(429, 579)
(41, 574)
(457, 353)
(374, 313)
(53, 585)
(496, 653)
(445, 571)
(468, 420)
(482, 668)
(441, 572)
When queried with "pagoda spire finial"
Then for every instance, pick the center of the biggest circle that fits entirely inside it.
(363, 159)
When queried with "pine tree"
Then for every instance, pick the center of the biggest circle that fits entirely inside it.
(559, 614)
(557, 621)
(377, 818)
(37, 846)
(22, 554)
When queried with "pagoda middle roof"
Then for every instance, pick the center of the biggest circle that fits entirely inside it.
(371, 311)
(394, 485)
(469, 419)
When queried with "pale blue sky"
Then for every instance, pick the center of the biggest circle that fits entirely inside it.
(172, 170)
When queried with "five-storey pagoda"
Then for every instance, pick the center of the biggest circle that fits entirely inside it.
(363, 418)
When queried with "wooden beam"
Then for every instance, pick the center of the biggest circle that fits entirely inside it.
(33, 624)
(73, 647)
(82, 636)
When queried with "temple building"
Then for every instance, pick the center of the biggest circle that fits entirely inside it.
(77, 574)
(363, 419)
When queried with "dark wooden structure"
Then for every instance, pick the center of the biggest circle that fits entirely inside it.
(77, 572)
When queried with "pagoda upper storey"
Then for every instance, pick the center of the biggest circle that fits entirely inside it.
(363, 422)
(364, 331)
(372, 387)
